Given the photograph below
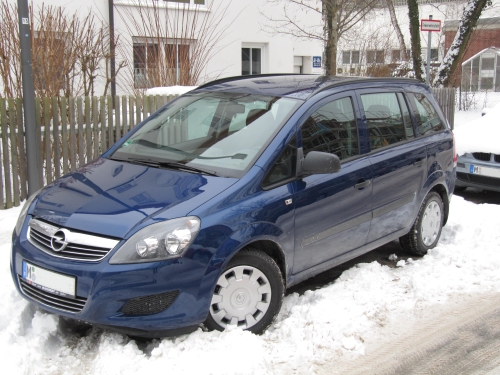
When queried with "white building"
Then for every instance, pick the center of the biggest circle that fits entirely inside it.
(244, 48)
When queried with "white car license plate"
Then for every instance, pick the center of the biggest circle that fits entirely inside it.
(484, 171)
(49, 281)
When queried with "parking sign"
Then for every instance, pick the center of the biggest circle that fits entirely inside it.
(316, 61)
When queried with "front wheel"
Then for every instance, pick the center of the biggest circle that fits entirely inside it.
(248, 293)
(425, 232)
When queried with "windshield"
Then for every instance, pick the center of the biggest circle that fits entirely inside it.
(215, 132)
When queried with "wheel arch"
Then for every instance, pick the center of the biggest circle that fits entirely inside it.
(443, 193)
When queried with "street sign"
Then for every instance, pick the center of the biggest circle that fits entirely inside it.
(430, 25)
(316, 61)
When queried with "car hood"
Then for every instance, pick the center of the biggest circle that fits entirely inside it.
(110, 198)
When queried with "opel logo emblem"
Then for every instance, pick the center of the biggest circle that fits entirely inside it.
(59, 240)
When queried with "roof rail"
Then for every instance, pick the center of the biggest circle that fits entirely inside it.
(237, 78)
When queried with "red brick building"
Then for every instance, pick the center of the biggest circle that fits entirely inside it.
(486, 34)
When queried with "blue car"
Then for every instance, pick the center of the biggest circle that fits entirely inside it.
(209, 209)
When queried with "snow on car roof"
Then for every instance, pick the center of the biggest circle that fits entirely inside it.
(480, 135)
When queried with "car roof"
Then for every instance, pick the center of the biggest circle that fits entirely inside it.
(298, 86)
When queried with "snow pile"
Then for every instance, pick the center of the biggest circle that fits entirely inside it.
(480, 135)
(329, 324)
(170, 90)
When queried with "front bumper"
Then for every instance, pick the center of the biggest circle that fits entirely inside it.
(107, 289)
(469, 174)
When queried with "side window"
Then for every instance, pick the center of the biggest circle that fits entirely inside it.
(332, 128)
(384, 119)
(410, 133)
(428, 120)
(285, 167)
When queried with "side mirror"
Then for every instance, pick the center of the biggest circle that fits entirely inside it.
(317, 162)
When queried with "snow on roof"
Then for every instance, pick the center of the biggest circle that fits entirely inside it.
(170, 90)
(489, 49)
(480, 135)
(482, 23)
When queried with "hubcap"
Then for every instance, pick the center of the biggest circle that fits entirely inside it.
(241, 297)
(431, 223)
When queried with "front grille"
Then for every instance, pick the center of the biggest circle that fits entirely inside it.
(484, 156)
(73, 305)
(478, 179)
(77, 246)
(497, 158)
(150, 305)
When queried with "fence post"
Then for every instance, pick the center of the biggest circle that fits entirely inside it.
(64, 134)
(3, 125)
(14, 153)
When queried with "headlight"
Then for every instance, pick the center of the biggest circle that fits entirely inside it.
(168, 239)
(24, 211)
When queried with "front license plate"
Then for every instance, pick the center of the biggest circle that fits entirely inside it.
(49, 281)
(484, 171)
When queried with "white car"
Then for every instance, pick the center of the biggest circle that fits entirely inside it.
(478, 147)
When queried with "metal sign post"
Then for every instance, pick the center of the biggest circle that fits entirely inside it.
(28, 97)
(429, 25)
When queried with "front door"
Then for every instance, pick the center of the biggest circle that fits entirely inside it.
(332, 211)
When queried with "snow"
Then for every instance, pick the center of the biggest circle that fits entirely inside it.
(480, 135)
(170, 90)
(333, 323)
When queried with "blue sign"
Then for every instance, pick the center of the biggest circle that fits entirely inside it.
(316, 61)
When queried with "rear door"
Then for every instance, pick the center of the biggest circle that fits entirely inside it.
(398, 159)
(332, 211)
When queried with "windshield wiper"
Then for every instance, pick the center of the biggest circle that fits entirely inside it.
(169, 164)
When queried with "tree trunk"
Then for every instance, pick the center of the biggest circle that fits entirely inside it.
(453, 57)
(395, 24)
(330, 11)
(416, 50)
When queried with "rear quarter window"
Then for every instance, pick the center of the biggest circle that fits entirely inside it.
(428, 120)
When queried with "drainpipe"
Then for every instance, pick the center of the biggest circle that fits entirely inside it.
(112, 49)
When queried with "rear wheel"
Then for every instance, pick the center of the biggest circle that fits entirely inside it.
(248, 293)
(425, 232)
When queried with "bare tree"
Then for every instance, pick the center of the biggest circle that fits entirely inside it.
(338, 17)
(69, 52)
(414, 17)
(10, 52)
(471, 14)
(397, 29)
(171, 46)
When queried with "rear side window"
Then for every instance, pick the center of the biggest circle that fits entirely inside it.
(386, 122)
(332, 128)
(428, 120)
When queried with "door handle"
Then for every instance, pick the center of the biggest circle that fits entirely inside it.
(418, 162)
(362, 184)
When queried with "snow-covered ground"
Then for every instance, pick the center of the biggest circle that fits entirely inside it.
(328, 324)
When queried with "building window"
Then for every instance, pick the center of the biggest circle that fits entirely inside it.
(49, 49)
(375, 57)
(396, 55)
(350, 57)
(355, 57)
(160, 62)
(434, 54)
(251, 61)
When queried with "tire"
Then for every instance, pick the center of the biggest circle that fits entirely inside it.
(249, 293)
(425, 232)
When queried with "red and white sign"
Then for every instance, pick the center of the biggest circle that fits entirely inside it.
(430, 25)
